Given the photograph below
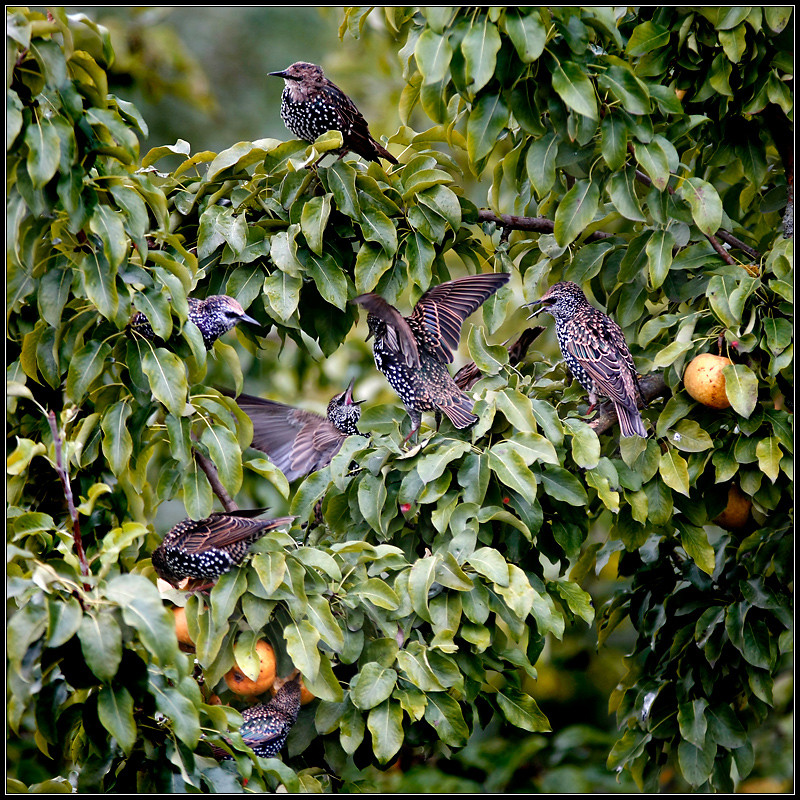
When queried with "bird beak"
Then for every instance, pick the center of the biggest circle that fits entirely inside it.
(348, 395)
(542, 302)
(282, 74)
(246, 318)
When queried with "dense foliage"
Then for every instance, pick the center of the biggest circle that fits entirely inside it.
(642, 155)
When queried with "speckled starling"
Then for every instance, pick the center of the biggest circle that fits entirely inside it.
(213, 316)
(595, 352)
(209, 547)
(469, 374)
(413, 352)
(265, 726)
(298, 441)
(311, 105)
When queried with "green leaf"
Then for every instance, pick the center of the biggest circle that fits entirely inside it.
(695, 542)
(371, 263)
(585, 444)
(107, 224)
(561, 485)
(578, 601)
(659, 256)
(621, 190)
(489, 563)
(527, 33)
(372, 686)
(327, 276)
(371, 500)
(167, 376)
(692, 721)
(688, 436)
(576, 211)
(378, 228)
(101, 643)
(769, 457)
(509, 465)
(704, 202)
(420, 580)
(647, 37)
(614, 140)
(654, 161)
(521, 711)
(574, 87)
(225, 453)
(674, 471)
(115, 712)
(625, 87)
(302, 640)
(282, 295)
(198, 497)
(385, 724)
(695, 762)
(44, 151)
(433, 53)
(741, 387)
(487, 121)
(480, 46)
(540, 163)
(444, 714)
(117, 440)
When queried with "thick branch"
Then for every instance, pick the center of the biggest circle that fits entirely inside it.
(73, 512)
(652, 386)
(216, 485)
(535, 224)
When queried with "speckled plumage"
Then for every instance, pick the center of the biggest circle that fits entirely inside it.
(312, 105)
(299, 442)
(413, 352)
(209, 547)
(214, 316)
(596, 353)
(265, 726)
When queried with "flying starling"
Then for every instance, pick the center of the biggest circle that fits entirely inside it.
(265, 726)
(413, 352)
(469, 374)
(595, 351)
(311, 105)
(213, 316)
(209, 547)
(298, 441)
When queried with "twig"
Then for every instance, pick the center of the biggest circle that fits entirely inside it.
(535, 224)
(213, 478)
(73, 512)
(652, 386)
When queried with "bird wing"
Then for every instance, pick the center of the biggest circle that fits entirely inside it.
(315, 446)
(441, 311)
(358, 138)
(606, 365)
(224, 530)
(399, 336)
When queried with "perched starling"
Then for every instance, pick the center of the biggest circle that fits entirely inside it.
(595, 352)
(469, 374)
(213, 316)
(311, 105)
(298, 441)
(209, 547)
(265, 726)
(413, 352)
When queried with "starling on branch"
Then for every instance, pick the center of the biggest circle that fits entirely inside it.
(595, 352)
(299, 442)
(413, 352)
(311, 105)
(265, 726)
(469, 374)
(209, 547)
(213, 316)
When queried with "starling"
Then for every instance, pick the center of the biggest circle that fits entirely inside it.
(469, 374)
(311, 105)
(265, 726)
(595, 352)
(209, 547)
(298, 441)
(413, 352)
(213, 316)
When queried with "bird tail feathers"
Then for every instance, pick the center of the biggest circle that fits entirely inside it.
(630, 421)
(460, 414)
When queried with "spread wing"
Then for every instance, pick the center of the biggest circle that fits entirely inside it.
(222, 530)
(399, 336)
(441, 311)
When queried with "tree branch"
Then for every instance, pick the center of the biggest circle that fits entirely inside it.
(213, 478)
(535, 224)
(652, 386)
(73, 512)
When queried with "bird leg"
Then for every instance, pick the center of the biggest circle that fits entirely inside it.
(438, 417)
(416, 421)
